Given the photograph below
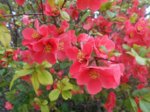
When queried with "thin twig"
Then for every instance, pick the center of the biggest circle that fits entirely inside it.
(12, 15)
(44, 19)
(63, 3)
(32, 7)
(100, 58)
(13, 30)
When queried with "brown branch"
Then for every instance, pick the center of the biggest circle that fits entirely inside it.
(32, 7)
(12, 15)
(14, 31)
(44, 19)
(105, 59)
(63, 4)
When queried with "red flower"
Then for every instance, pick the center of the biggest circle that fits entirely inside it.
(33, 35)
(36, 106)
(83, 54)
(26, 78)
(45, 50)
(90, 4)
(96, 78)
(73, 12)
(80, 56)
(50, 10)
(104, 25)
(48, 87)
(111, 102)
(103, 46)
(20, 2)
(8, 106)
(64, 42)
(16, 54)
(89, 23)
(26, 20)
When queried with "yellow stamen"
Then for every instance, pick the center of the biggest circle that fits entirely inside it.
(48, 48)
(80, 56)
(94, 75)
(35, 35)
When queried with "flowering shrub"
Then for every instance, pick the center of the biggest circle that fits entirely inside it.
(74, 56)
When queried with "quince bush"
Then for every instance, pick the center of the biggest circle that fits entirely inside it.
(75, 55)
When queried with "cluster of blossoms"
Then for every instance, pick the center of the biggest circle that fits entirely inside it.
(84, 51)
(93, 50)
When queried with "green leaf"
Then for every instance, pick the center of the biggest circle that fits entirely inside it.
(126, 47)
(66, 95)
(59, 3)
(38, 101)
(45, 102)
(133, 18)
(23, 108)
(10, 96)
(44, 108)
(141, 92)
(65, 80)
(133, 105)
(44, 77)
(103, 49)
(64, 65)
(19, 74)
(51, 3)
(35, 82)
(68, 86)
(64, 85)
(146, 97)
(144, 105)
(46, 64)
(83, 18)
(106, 6)
(143, 51)
(141, 60)
(111, 14)
(54, 94)
(5, 37)
(144, 93)
(65, 15)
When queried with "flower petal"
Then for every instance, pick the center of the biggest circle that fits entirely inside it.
(94, 86)
(83, 77)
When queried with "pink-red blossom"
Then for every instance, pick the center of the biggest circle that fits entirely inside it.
(8, 106)
(90, 4)
(111, 102)
(95, 78)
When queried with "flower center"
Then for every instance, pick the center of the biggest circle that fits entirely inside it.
(80, 56)
(60, 31)
(35, 35)
(139, 28)
(48, 48)
(94, 75)
(131, 34)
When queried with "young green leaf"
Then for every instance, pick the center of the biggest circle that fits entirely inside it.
(65, 15)
(66, 95)
(5, 37)
(54, 94)
(19, 74)
(44, 77)
(44, 108)
(35, 82)
(145, 106)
